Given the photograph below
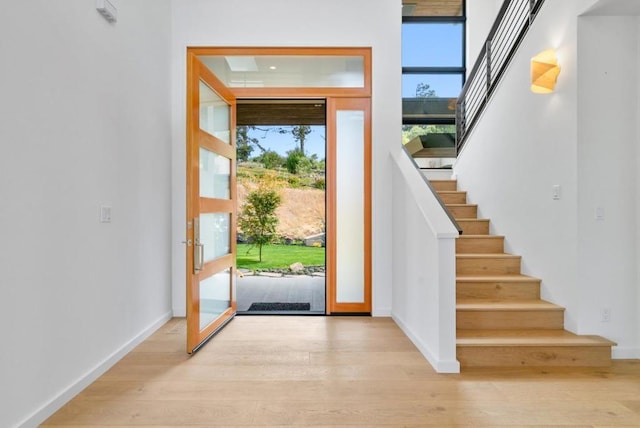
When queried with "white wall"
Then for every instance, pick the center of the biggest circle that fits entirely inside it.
(480, 17)
(607, 176)
(85, 120)
(309, 23)
(424, 273)
(638, 183)
(524, 144)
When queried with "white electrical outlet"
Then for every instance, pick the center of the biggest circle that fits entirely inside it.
(606, 315)
(599, 213)
(556, 191)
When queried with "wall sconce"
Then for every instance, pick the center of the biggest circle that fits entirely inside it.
(544, 72)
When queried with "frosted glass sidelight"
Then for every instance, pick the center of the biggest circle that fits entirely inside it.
(215, 175)
(214, 114)
(350, 255)
(215, 297)
(215, 235)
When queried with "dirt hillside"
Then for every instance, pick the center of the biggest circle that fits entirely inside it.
(301, 214)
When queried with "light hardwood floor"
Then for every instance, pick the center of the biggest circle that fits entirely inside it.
(338, 371)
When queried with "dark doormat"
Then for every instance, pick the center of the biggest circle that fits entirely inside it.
(278, 306)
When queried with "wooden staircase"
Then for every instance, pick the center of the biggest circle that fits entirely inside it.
(501, 320)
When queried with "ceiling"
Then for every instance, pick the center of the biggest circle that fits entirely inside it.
(280, 112)
(432, 7)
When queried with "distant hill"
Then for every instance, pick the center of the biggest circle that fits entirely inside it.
(302, 212)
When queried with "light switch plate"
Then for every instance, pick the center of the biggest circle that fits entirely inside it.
(105, 213)
(107, 10)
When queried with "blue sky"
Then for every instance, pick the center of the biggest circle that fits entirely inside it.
(282, 143)
(432, 45)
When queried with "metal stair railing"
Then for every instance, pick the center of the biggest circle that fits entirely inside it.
(508, 31)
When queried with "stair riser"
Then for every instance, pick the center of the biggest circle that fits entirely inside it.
(467, 211)
(539, 356)
(498, 290)
(453, 198)
(487, 266)
(479, 227)
(479, 245)
(510, 320)
(450, 185)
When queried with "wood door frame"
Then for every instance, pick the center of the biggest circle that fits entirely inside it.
(327, 93)
(195, 70)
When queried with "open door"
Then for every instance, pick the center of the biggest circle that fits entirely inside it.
(211, 204)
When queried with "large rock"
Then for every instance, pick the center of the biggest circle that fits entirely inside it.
(296, 267)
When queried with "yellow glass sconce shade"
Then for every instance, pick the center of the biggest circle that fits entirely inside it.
(544, 72)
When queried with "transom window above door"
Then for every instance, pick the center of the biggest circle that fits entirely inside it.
(278, 71)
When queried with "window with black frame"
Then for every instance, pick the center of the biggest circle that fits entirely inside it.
(433, 72)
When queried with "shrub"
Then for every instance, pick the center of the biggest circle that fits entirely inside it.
(297, 162)
(294, 181)
(270, 159)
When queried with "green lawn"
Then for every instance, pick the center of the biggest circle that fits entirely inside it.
(278, 256)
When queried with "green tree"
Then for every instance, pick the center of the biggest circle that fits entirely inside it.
(244, 143)
(299, 133)
(423, 90)
(258, 219)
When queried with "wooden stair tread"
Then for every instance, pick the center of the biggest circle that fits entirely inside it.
(487, 256)
(440, 185)
(506, 305)
(496, 278)
(461, 205)
(527, 338)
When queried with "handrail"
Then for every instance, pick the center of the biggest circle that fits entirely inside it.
(512, 24)
(444, 207)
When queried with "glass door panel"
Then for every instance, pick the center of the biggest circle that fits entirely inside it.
(215, 297)
(215, 175)
(214, 114)
(215, 235)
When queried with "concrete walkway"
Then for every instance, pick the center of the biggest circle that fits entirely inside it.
(287, 289)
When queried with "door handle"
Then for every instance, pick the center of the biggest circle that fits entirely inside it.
(198, 257)
(198, 248)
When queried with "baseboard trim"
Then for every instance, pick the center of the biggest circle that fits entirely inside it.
(625, 353)
(76, 387)
(440, 366)
(381, 312)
